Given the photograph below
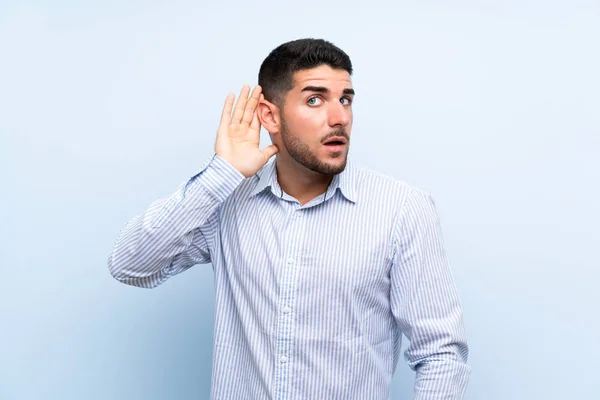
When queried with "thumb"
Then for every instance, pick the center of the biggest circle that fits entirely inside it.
(270, 151)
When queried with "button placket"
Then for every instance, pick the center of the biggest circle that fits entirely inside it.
(285, 318)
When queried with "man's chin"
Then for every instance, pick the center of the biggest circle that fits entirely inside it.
(331, 168)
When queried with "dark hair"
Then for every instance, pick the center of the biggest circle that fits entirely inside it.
(276, 74)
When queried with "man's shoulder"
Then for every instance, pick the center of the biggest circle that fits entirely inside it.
(385, 184)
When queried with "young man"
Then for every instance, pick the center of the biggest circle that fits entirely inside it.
(319, 264)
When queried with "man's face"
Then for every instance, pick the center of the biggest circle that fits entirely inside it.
(317, 109)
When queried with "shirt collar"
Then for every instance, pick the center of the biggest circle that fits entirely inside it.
(345, 181)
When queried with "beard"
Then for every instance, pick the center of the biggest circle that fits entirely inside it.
(304, 156)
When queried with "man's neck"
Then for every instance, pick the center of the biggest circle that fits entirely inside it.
(300, 182)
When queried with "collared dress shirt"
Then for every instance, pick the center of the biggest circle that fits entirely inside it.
(310, 300)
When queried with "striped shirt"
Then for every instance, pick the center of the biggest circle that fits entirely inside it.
(311, 300)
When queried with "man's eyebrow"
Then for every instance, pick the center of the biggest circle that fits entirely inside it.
(322, 89)
(318, 89)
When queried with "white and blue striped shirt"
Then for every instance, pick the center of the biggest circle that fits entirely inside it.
(311, 300)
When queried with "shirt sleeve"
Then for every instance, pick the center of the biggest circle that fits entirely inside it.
(174, 233)
(425, 302)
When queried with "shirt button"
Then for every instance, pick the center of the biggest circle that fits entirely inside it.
(282, 359)
(286, 310)
(291, 260)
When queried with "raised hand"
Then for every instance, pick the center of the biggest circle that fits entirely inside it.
(238, 136)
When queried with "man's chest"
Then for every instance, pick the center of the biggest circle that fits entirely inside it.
(345, 245)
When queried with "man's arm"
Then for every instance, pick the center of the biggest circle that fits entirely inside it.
(425, 303)
(175, 233)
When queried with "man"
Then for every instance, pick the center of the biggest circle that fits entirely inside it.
(319, 264)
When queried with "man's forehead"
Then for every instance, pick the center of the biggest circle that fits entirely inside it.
(323, 76)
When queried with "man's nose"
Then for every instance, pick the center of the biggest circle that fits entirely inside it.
(338, 114)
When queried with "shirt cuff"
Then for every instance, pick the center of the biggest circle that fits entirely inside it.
(219, 178)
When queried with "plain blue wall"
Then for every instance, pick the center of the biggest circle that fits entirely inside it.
(491, 106)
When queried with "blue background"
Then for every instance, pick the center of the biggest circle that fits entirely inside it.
(493, 107)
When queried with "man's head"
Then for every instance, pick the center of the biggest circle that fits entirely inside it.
(308, 101)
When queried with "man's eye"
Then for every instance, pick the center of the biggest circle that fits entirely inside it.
(313, 101)
(346, 101)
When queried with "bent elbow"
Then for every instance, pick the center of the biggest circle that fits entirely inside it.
(121, 270)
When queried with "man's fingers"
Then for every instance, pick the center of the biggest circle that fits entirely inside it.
(255, 124)
(251, 105)
(240, 106)
(226, 115)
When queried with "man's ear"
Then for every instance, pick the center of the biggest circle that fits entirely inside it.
(268, 114)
